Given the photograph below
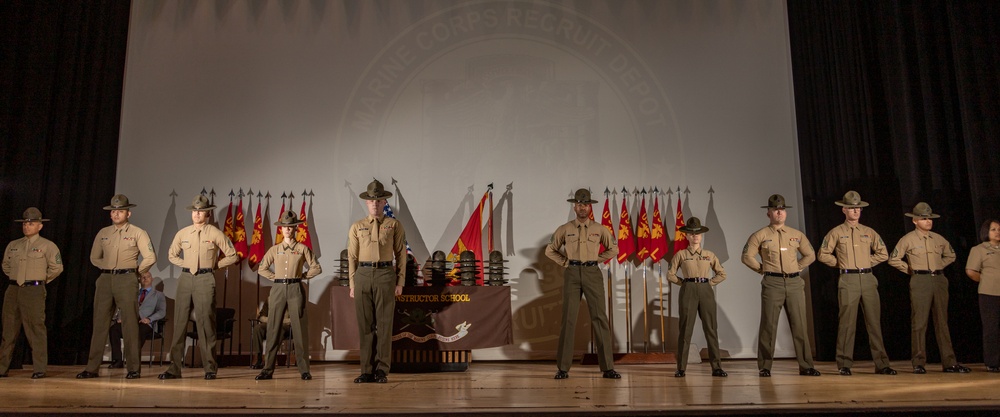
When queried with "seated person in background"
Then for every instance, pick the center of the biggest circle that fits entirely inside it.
(260, 333)
(152, 307)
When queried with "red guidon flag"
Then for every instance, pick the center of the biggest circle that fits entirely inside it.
(680, 238)
(302, 233)
(278, 237)
(256, 239)
(657, 235)
(227, 228)
(606, 222)
(626, 243)
(472, 236)
(642, 232)
(240, 232)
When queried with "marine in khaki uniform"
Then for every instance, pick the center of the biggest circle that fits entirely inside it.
(196, 250)
(927, 254)
(116, 253)
(373, 243)
(983, 266)
(582, 239)
(30, 262)
(854, 249)
(784, 253)
(701, 272)
(288, 294)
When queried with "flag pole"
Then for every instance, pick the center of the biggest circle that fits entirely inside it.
(611, 288)
(225, 280)
(659, 280)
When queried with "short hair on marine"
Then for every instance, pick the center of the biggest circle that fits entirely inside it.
(984, 230)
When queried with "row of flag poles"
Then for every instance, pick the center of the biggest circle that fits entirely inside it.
(235, 225)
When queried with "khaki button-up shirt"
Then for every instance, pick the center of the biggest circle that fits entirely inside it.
(701, 263)
(119, 248)
(288, 260)
(377, 239)
(930, 252)
(985, 259)
(582, 241)
(201, 248)
(779, 250)
(32, 259)
(852, 247)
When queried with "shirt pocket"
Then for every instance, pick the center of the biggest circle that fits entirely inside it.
(185, 245)
(770, 250)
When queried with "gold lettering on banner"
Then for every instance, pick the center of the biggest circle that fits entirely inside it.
(434, 298)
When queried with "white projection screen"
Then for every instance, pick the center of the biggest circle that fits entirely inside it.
(438, 99)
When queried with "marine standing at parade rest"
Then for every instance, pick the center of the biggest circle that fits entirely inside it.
(116, 253)
(288, 294)
(30, 262)
(854, 249)
(983, 266)
(373, 243)
(697, 295)
(582, 239)
(784, 254)
(196, 250)
(927, 254)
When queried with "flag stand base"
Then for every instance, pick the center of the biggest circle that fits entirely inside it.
(633, 358)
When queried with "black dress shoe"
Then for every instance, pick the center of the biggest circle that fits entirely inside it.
(679, 374)
(263, 375)
(257, 365)
(611, 374)
(561, 375)
(116, 365)
(380, 377)
(364, 379)
(209, 375)
(957, 369)
(845, 371)
(86, 375)
(132, 375)
(168, 375)
(919, 369)
(3, 375)
(988, 369)
(38, 375)
(809, 372)
(719, 373)
(764, 373)
(885, 371)
(307, 376)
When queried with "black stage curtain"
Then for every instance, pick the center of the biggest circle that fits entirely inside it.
(898, 100)
(61, 77)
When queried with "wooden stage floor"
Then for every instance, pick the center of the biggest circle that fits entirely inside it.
(503, 388)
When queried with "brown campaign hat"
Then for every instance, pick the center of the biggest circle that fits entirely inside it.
(32, 214)
(851, 199)
(922, 210)
(200, 203)
(375, 192)
(776, 201)
(693, 226)
(582, 196)
(119, 202)
(288, 218)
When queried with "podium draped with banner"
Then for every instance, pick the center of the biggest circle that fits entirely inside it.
(434, 328)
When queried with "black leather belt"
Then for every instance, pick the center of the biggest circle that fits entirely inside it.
(198, 272)
(928, 272)
(856, 271)
(118, 271)
(288, 280)
(699, 280)
(582, 263)
(27, 283)
(781, 274)
(385, 264)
